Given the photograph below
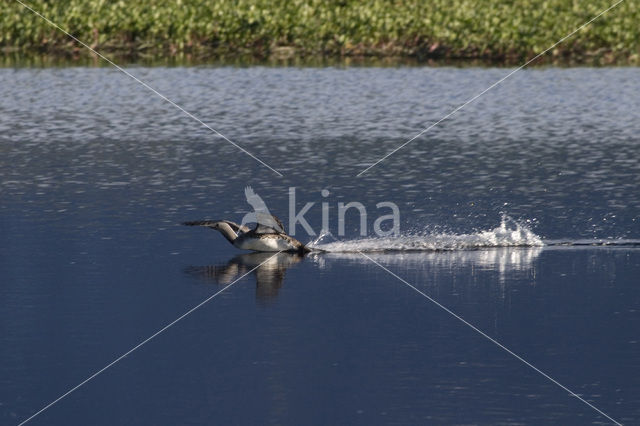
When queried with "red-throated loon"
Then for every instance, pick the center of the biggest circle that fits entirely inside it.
(260, 238)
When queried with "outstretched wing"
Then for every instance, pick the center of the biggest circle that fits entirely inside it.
(268, 224)
(211, 223)
(265, 222)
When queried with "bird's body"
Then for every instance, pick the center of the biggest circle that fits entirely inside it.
(266, 242)
(261, 238)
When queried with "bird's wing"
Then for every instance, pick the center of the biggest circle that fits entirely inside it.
(209, 223)
(200, 222)
(236, 227)
(265, 221)
(268, 224)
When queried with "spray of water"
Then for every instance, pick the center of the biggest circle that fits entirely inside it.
(509, 233)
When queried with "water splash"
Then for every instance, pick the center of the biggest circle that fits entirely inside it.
(509, 233)
(323, 237)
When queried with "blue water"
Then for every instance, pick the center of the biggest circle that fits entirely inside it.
(96, 174)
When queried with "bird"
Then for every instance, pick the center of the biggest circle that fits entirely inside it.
(261, 238)
(260, 213)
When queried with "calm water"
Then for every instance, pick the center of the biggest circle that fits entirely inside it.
(96, 174)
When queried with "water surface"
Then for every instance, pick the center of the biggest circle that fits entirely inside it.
(96, 175)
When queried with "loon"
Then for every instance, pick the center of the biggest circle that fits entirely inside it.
(261, 238)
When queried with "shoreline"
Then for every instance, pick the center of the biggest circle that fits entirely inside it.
(72, 53)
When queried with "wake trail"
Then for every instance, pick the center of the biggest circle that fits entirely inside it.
(509, 233)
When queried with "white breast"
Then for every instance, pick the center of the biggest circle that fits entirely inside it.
(264, 244)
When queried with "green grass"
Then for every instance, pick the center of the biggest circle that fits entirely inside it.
(507, 30)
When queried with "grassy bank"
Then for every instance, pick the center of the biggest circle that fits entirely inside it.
(502, 31)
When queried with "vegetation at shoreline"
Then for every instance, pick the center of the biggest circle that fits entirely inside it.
(505, 31)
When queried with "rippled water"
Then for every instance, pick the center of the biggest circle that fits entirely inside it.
(96, 173)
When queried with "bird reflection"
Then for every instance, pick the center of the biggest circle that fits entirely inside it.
(269, 276)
